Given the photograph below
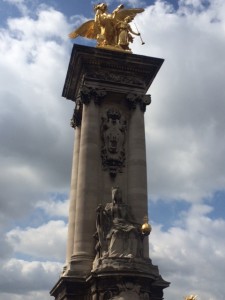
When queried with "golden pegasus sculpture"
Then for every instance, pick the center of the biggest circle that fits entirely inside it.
(111, 30)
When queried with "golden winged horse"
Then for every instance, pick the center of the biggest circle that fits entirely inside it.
(110, 30)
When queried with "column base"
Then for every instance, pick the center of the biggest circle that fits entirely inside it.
(79, 266)
(113, 279)
(70, 288)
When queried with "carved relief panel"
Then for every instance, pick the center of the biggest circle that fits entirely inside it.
(113, 134)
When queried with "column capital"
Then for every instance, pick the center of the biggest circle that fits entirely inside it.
(77, 114)
(134, 99)
(89, 93)
(86, 95)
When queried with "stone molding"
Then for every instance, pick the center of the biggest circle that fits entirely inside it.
(116, 77)
(115, 70)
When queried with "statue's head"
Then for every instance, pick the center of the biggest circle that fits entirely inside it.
(129, 19)
(116, 194)
(102, 6)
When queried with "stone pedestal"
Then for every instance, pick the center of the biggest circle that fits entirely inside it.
(109, 91)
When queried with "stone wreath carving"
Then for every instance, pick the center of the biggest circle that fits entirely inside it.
(113, 133)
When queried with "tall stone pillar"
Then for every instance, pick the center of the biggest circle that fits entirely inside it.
(72, 204)
(87, 189)
(137, 169)
(107, 251)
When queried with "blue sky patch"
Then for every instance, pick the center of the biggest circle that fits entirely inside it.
(166, 212)
(218, 203)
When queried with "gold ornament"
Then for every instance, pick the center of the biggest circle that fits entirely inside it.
(146, 228)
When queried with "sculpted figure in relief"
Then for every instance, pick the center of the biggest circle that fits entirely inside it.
(113, 129)
(110, 30)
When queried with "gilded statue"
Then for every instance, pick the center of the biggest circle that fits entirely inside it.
(111, 30)
(191, 297)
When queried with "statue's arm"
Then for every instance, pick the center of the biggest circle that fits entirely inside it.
(131, 31)
(121, 6)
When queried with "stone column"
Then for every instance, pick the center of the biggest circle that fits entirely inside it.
(73, 192)
(87, 184)
(137, 170)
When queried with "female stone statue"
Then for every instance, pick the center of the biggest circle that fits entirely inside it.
(123, 235)
(118, 233)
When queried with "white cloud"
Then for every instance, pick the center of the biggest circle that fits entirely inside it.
(191, 256)
(20, 4)
(133, 3)
(55, 208)
(33, 55)
(185, 122)
(28, 278)
(47, 241)
(34, 295)
(126, 3)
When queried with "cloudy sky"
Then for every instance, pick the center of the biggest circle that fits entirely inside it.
(185, 128)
